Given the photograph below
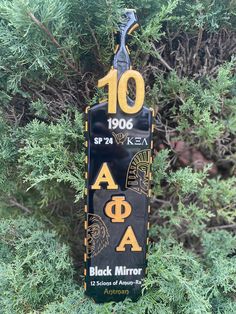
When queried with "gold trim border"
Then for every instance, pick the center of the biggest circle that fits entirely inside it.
(86, 196)
(150, 190)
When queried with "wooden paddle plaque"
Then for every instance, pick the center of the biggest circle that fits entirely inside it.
(119, 143)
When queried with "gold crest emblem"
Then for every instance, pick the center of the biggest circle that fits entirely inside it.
(97, 235)
(137, 178)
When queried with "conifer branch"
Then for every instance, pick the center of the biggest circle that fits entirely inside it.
(13, 202)
(231, 226)
(165, 63)
(53, 40)
(161, 59)
(96, 41)
(199, 39)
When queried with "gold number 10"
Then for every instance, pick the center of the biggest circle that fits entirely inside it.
(121, 89)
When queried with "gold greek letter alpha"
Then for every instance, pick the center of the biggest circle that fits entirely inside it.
(129, 238)
(118, 209)
(104, 176)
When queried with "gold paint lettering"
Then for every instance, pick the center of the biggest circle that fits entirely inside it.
(129, 238)
(104, 176)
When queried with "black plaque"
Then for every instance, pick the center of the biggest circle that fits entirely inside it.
(119, 159)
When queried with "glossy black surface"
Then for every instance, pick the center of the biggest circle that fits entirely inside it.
(118, 158)
(127, 154)
(121, 60)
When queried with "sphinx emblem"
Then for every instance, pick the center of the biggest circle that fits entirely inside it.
(97, 235)
(137, 178)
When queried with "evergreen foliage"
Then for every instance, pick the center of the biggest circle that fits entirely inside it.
(50, 156)
(35, 267)
(52, 54)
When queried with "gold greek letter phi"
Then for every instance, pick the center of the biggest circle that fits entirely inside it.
(118, 209)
